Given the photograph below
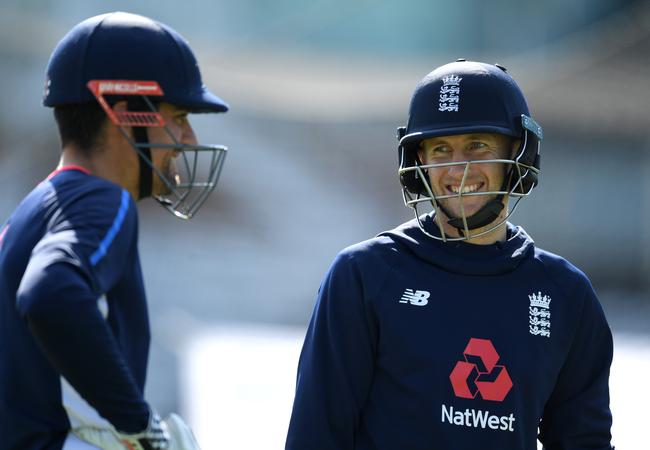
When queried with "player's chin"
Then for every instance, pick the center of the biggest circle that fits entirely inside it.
(160, 187)
(470, 205)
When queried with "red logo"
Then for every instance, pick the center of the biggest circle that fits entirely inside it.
(480, 373)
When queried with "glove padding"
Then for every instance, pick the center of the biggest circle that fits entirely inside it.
(181, 436)
(169, 434)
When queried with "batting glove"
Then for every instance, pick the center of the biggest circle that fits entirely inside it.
(181, 437)
(155, 437)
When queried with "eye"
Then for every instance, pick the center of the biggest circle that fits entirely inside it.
(478, 145)
(440, 150)
(180, 119)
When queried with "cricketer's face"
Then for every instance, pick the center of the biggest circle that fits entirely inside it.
(483, 177)
(164, 159)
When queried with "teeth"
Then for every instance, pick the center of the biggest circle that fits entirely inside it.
(466, 189)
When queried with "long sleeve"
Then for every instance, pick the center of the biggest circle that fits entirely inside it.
(336, 364)
(76, 339)
(82, 256)
(577, 415)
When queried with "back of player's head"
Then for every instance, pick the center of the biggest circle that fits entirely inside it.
(80, 125)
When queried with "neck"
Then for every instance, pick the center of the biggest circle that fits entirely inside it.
(499, 234)
(99, 163)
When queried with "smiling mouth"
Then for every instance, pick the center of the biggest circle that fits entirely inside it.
(468, 188)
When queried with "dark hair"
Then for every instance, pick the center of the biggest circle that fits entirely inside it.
(80, 124)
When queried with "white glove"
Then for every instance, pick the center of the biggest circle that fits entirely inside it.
(181, 436)
(169, 434)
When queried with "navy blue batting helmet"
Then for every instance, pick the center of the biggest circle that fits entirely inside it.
(123, 46)
(143, 62)
(465, 97)
(491, 102)
(468, 97)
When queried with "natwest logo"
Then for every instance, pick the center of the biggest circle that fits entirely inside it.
(480, 373)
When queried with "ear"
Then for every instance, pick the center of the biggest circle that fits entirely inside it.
(421, 154)
(120, 106)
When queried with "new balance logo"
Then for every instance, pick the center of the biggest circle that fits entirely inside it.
(417, 298)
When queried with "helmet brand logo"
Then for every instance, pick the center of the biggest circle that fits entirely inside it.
(126, 87)
(479, 373)
(449, 93)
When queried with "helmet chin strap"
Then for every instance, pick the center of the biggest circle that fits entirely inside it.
(146, 171)
(484, 216)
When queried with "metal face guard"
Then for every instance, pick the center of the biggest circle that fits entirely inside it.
(413, 201)
(199, 166)
(199, 170)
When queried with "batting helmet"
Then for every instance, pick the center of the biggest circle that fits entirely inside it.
(460, 98)
(123, 46)
(127, 56)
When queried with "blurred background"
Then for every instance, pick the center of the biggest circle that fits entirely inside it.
(317, 89)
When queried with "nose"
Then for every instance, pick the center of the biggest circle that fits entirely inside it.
(457, 170)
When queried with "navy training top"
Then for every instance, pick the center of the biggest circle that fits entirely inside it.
(74, 328)
(423, 345)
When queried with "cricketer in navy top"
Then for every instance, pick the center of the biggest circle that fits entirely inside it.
(454, 331)
(74, 328)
